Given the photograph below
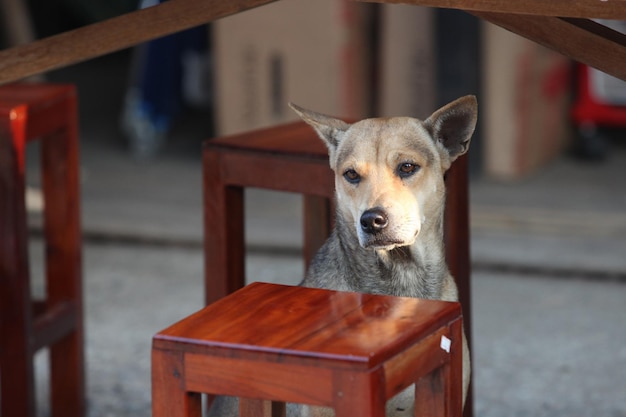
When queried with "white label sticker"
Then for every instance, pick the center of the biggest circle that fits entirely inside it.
(445, 344)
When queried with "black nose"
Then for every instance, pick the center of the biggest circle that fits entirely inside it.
(374, 220)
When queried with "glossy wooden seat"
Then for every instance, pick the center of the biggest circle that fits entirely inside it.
(348, 351)
(47, 113)
(292, 158)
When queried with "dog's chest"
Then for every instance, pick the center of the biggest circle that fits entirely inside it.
(400, 275)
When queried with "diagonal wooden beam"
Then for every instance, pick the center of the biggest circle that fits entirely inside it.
(580, 39)
(596, 9)
(113, 35)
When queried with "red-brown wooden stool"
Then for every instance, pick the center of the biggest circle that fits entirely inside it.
(285, 158)
(348, 351)
(292, 158)
(48, 113)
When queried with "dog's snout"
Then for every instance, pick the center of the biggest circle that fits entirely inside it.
(374, 220)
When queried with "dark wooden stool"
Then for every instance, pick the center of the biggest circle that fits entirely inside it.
(292, 158)
(285, 158)
(348, 351)
(48, 113)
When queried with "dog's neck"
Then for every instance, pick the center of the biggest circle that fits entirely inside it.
(417, 270)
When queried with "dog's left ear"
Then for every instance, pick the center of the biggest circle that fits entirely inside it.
(328, 128)
(454, 124)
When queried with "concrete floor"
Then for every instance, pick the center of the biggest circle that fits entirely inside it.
(549, 277)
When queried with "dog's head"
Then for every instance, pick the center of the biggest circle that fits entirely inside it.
(389, 171)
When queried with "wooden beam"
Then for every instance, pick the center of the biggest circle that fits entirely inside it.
(580, 39)
(596, 9)
(113, 35)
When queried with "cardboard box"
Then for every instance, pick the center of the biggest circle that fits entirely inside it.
(407, 61)
(313, 53)
(525, 104)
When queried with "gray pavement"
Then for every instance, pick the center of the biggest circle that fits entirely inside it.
(549, 277)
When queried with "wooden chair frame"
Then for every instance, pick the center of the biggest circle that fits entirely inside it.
(292, 158)
(47, 113)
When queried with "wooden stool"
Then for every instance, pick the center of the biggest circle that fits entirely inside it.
(292, 158)
(48, 113)
(285, 158)
(348, 351)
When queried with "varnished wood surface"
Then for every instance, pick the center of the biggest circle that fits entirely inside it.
(289, 158)
(348, 351)
(296, 138)
(580, 39)
(457, 245)
(457, 232)
(561, 25)
(16, 317)
(47, 113)
(596, 9)
(356, 329)
(276, 158)
(43, 106)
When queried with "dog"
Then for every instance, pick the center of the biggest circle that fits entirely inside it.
(390, 197)
(388, 234)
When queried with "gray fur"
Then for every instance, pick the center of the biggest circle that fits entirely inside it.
(342, 264)
(416, 268)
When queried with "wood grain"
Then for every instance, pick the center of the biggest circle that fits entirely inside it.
(562, 25)
(175, 15)
(580, 39)
(113, 35)
(345, 350)
(16, 318)
(289, 158)
(261, 408)
(46, 112)
(258, 379)
(304, 325)
(614, 9)
(170, 397)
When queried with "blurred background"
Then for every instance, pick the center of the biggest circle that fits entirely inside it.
(547, 189)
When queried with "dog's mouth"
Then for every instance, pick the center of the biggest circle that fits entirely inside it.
(385, 245)
(385, 242)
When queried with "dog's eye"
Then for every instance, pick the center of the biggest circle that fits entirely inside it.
(352, 176)
(406, 169)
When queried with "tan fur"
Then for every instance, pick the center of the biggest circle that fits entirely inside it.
(406, 256)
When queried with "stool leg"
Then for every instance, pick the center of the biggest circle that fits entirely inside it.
(440, 394)
(63, 267)
(457, 234)
(224, 250)
(429, 395)
(169, 398)
(318, 219)
(359, 394)
(457, 238)
(260, 408)
(17, 392)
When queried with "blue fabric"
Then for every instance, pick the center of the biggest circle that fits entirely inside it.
(160, 74)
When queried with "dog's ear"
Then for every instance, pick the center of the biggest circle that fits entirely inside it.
(454, 124)
(328, 128)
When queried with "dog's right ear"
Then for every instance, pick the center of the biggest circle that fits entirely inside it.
(454, 124)
(331, 130)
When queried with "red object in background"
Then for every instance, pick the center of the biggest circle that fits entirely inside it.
(591, 108)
